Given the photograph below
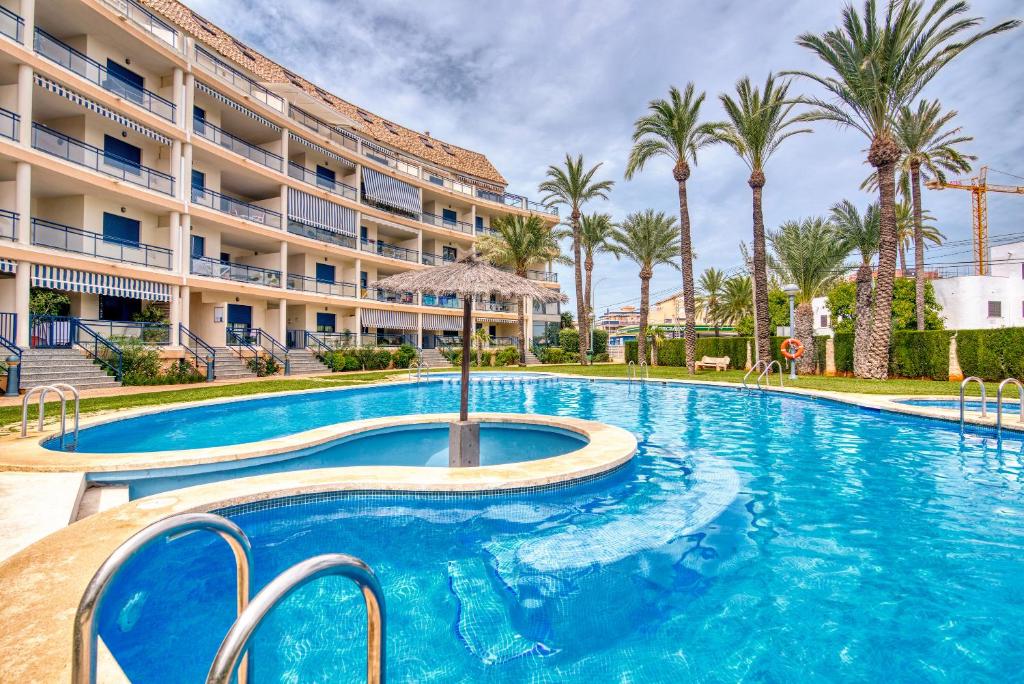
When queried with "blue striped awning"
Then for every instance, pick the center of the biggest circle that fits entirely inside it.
(234, 105)
(8, 266)
(80, 100)
(397, 320)
(58, 278)
(323, 150)
(390, 191)
(318, 212)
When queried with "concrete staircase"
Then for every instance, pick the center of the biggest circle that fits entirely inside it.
(531, 360)
(305, 361)
(229, 367)
(434, 359)
(71, 366)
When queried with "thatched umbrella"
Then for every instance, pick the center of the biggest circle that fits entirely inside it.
(468, 278)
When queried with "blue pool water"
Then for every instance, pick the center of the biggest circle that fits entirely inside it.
(421, 445)
(972, 405)
(755, 537)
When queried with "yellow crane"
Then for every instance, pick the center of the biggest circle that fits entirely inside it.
(979, 188)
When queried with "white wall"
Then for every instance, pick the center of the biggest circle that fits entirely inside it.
(965, 301)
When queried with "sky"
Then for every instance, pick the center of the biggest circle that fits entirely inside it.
(527, 82)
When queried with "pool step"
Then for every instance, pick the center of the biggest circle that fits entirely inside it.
(71, 366)
(98, 498)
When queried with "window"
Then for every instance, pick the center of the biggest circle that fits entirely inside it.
(205, 25)
(365, 116)
(363, 233)
(198, 246)
(449, 254)
(244, 50)
(324, 273)
(124, 82)
(479, 222)
(198, 179)
(325, 322)
(225, 258)
(324, 177)
(449, 216)
(198, 120)
(122, 155)
(824, 321)
(362, 279)
(446, 148)
(391, 127)
(239, 316)
(118, 308)
(426, 141)
(120, 229)
(995, 309)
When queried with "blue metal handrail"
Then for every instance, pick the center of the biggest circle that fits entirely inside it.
(75, 151)
(229, 270)
(198, 345)
(212, 199)
(71, 59)
(441, 222)
(228, 141)
(8, 224)
(256, 340)
(148, 21)
(11, 25)
(9, 333)
(303, 283)
(156, 334)
(108, 354)
(299, 172)
(68, 239)
(338, 135)
(10, 124)
(322, 234)
(389, 250)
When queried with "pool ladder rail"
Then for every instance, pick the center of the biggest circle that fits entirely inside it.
(999, 401)
(640, 372)
(232, 654)
(59, 388)
(416, 369)
(766, 373)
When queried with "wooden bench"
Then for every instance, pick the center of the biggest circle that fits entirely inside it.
(719, 363)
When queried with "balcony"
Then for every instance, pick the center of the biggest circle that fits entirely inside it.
(94, 72)
(11, 25)
(10, 124)
(387, 296)
(435, 259)
(500, 307)
(322, 234)
(67, 239)
(389, 339)
(338, 135)
(77, 152)
(435, 220)
(8, 225)
(302, 283)
(235, 144)
(237, 79)
(147, 21)
(235, 207)
(444, 302)
(453, 185)
(389, 159)
(544, 276)
(117, 331)
(254, 275)
(303, 174)
(389, 250)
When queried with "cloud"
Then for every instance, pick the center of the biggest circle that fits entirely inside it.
(526, 82)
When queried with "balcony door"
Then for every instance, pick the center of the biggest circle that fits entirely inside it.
(120, 229)
(122, 155)
(124, 82)
(239, 317)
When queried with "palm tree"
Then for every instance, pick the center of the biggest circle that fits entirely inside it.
(809, 254)
(908, 227)
(877, 69)
(655, 334)
(758, 124)
(710, 293)
(573, 186)
(673, 129)
(647, 238)
(859, 233)
(596, 238)
(737, 299)
(519, 243)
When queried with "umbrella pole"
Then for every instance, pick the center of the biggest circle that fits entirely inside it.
(464, 436)
(467, 345)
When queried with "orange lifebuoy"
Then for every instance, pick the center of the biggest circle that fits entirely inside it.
(792, 348)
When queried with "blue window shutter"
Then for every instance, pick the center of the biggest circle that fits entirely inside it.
(119, 153)
(325, 273)
(449, 216)
(479, 221)
(362, 232)
(324, 176)
(124, 82)
(362, 279)
(198, 179)
(120, 229)
(240, 315)
(325, 322)
(198, 246)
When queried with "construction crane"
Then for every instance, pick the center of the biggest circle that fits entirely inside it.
(979, 188)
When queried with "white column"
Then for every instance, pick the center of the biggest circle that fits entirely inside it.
(174, 238)
(282, 321)
(284, 265)
(359, 327)
(27, 8)
(186, 172)
(284, 207)
(419, 330)
(175, 314)
(25, 103)
(177, 170)
(419, 245)
(284, 149)
(184, 312)
(178, 96)
(184, 252)
(188, 101)
(22, 285)
(359, 276)
(23, 200)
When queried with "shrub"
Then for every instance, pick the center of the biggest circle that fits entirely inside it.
(403, 356)
(920, 354)
(733, 347)
(569, 339)
(601, 358)
(509, 356)
(140, 365)
(992, 354)
(844, 352)
(182, 372)
(631, 352)
(672, 352)
(600, 342)
(554, 355)
(262, 366)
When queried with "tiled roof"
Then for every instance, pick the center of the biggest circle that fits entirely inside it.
(444, 154)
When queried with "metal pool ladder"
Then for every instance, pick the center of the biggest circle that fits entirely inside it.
(757, 365)
(417, 370)
(999, 404)
(767, 374)
(43, 390)
(963, 386)
(640, 373)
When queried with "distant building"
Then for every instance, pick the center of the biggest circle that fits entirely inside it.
(995, 300)
(612, 320)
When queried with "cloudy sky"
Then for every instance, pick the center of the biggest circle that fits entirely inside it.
(527, 82)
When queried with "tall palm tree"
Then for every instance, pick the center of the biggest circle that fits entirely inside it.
(572, 185)
(929, 152)
(737, 299)
(809, 254)
(710, 293)
(595, 238)
(672, 128)
(908, 226)
(519, 243)
(877, 68)
(649, 239)
(758, 123)
(859, 233)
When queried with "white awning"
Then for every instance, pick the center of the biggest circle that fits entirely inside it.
(234, 105)
(397, 320)
(324, 151)
(384, 189)
(8, 266)
(71, 95)
(314, 211)
(441, 322)
(68, 279)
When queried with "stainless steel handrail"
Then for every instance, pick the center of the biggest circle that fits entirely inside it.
(83, 657)
(630, 371)
(984, 402)
(43, 391)
(74, 391)
(289, 581)
(767, 374)
(753, 368)
(999, 403)
(643, 371)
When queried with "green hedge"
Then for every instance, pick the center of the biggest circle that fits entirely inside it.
(569, 340)
(844, 352)
(733, 347)
(600, 342)
(992, 354)
(920, 354)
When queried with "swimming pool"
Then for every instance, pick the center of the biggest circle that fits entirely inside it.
(755, 536)
(1010, 407)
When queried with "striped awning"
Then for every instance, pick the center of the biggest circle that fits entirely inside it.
(441, 322)
(314, 211)
(57, 88)
(234, 105)
(397, 320)
(68, 279)
(323, 150)
(390, 191)
(8, 266)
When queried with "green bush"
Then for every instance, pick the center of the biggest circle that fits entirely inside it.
(844, 352)
(262, 366)
(182, 372)
(920, 354)
(509, 356)
(733, 347)
(601, 358)
(600, 341)
(631, 352)
(992, 354)
(140, 365)
(569, 340)
(554, 355)
(403, 356)
(672, 352)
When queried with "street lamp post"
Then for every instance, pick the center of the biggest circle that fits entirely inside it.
(791, 291)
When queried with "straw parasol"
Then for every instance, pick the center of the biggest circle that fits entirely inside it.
(467, 278)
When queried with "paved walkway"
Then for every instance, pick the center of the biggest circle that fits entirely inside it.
(33, 505)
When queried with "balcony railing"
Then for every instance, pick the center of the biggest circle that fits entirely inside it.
(231, 142)
(449, 224)
(387, 296)
(453, 185)
(77, 152)
(68, 239)
(389, 159)
(94, 72)
(116, 331)
(389, 250)
(303, 283)
(388, 339)
(322, 234)
(435, 259)
(8, 224)
(501, 307)
(299, 172)
(338, 135)
(146, 20)
(442, 301)
(211, 199)
(10, 124)
(545, 276)
(242, 273)
(233, 76)
(11, 25)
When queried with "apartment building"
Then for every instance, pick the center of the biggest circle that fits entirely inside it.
(150, 161)
(612, 320)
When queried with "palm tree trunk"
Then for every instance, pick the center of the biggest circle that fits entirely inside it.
(862, 324)
(645, 297)
(581, 302)
(588, 265)
(915, 188)
(884, 153)
(903, 258)
(761, 316)
(804, 324)
(686, 252)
